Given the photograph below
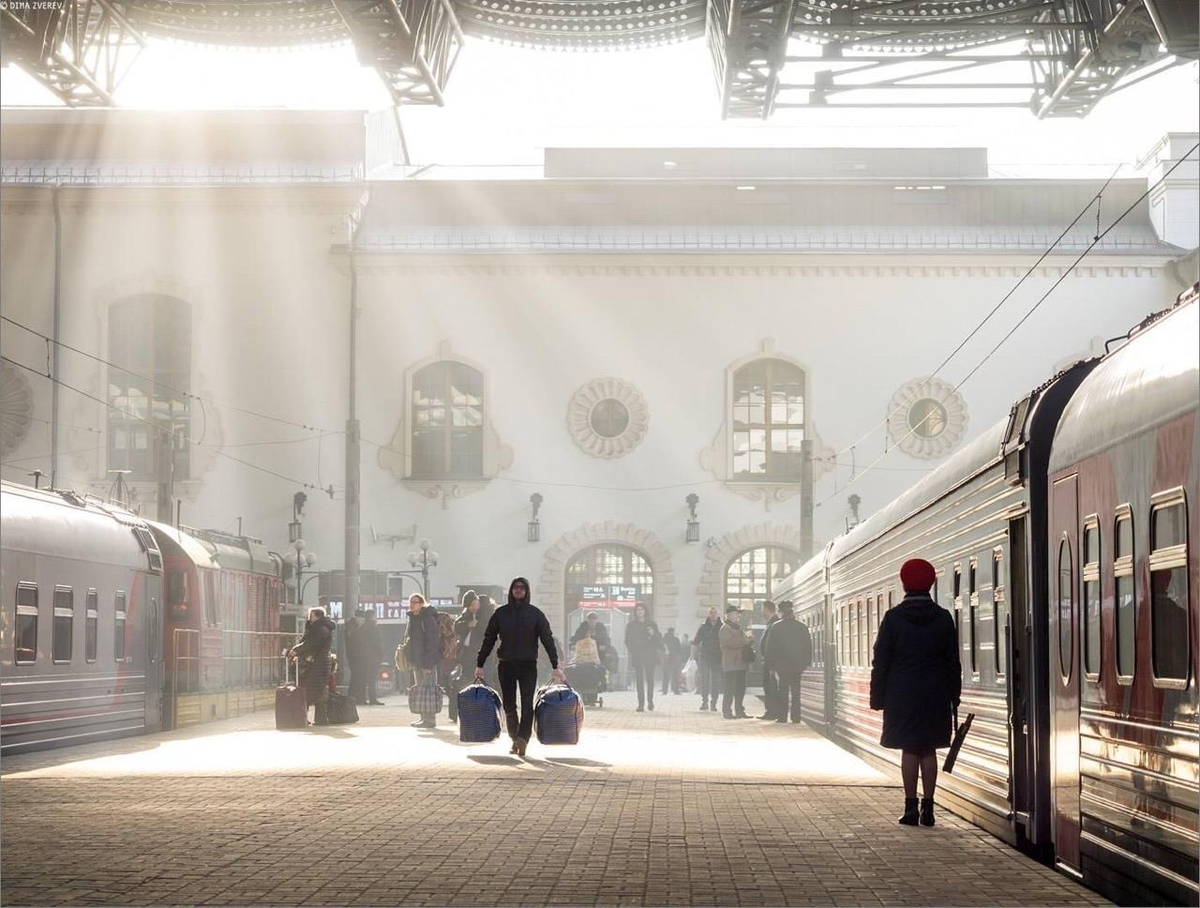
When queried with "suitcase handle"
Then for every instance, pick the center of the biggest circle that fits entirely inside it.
(287, 675)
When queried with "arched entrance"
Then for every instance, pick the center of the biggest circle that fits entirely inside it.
(610, 579)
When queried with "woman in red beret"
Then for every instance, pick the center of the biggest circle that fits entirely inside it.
(916, 679)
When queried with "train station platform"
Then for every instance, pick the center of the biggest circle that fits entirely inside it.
(674, 807)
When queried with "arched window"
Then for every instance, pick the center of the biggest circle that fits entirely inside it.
(750, 576)
(768, 420)
(610, 579)
(150, 347)
(447, 421)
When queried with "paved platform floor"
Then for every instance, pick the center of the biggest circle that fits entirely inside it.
(674, 807)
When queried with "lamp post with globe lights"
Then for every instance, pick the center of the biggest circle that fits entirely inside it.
(423, 561)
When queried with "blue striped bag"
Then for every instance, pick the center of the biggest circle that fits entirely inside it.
(478, 714)
(558, 715)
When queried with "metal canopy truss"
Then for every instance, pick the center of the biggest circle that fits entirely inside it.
(1055, 57)
(413, 44)
(78, 49)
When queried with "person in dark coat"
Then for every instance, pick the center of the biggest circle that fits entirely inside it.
(770, 682)
(643, 642)
(916, 679)
(356, 683)
(519, 626)
(469, 627)
(706, 650)
(423, 648)
(312, 655)
(371, 654)
(787, 648)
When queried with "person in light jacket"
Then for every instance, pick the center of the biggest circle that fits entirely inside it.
(733, 663)
(916, 679)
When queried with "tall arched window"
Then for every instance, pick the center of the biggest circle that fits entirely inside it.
(610, 579)
(750, 576)
(150, 346)
(447, 421)
(768, 420)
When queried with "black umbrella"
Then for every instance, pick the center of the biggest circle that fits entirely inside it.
(960, 735)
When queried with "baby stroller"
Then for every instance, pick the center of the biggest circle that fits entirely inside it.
(588, 679)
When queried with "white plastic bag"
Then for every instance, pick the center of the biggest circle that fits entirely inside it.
(690, 671)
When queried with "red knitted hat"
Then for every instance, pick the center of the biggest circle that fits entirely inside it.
(917, 576)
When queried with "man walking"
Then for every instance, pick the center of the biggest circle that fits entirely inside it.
(733, 662)
(672, 663)
(422, 649)
(789, 650)
(770, 685)
(520, 626)
(706, 650)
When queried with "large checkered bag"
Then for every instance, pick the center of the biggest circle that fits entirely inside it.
(425, 699)
(558, 715)
(478, 714)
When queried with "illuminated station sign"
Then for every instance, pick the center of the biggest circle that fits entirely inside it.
(612, 596)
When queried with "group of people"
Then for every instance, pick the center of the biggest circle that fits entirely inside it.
(916, 675)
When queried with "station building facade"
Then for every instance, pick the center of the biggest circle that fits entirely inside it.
(611, 378)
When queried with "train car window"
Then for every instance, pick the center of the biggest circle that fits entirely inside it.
(119, 603)
(1126, 596)
(1169, 592)
(1091, 599)
(63, 627)
(25, 643)
(210, 599)
(999, 615)
(872, 623)
(957, 581)
(91, 617)
(863, 658)
(1066, 594)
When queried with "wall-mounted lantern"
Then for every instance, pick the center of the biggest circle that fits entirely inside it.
(693, 525)
(533, 532)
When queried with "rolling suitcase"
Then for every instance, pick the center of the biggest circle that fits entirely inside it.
(342, 710)
(478, 714)
(291, 706)
(558, 715)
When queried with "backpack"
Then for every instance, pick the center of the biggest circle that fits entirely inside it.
(447, 638)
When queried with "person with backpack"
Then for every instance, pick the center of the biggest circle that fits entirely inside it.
(519, 626)
(788, 650)
(422, 648)
(448, 671)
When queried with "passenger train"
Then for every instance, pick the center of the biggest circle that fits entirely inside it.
(1065, 543)
(108, 618)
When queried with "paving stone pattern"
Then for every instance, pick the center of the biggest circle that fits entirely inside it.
(674, 807)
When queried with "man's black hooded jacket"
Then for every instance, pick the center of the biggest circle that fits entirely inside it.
(519, 626)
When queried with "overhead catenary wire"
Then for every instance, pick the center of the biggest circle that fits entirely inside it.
(1024, 318)
(156, 427)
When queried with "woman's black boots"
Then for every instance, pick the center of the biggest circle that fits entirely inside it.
(926, 811)
(911, 817)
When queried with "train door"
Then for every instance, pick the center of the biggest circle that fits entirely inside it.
(154, 650)
(1064, 669)
(831, 630)
(1019, 671)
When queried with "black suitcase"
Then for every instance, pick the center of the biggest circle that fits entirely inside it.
(342, 710)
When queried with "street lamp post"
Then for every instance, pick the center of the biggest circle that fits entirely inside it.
(423, 561)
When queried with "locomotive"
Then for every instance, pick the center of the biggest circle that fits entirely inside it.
(1065, 543)
(177, 625)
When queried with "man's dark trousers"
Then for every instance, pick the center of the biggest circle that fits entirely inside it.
(771, 695)
(789, 688)
(512, 675)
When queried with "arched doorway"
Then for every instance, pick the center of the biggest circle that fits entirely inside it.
(610, 579)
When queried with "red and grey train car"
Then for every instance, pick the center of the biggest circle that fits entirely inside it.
(81, 623)
(1065, 544)
(106, 616)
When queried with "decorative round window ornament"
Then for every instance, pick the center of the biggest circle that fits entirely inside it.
(16, 408)
(608, 417)
(927, 418)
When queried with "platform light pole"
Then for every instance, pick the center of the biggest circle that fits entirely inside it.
(353, 513)
(423, 561)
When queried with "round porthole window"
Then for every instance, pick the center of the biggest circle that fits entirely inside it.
(608, 417)
(927, 418)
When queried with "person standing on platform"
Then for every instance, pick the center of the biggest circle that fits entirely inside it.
(422, 648)
(733, 662)
(916, 679)
(470, 627)
(356, 683)
(519, 626)
(788, 649)
(671, 662)
(313, 663)
(372, 655)
(706, 650)
(770, 683)
(644, 643)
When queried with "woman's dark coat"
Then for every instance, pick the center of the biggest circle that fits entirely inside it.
(312, 655)
(423, 642)
(471, 638)
(916, 676)
(643, 642)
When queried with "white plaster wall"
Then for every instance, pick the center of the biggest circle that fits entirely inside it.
(270, 310)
